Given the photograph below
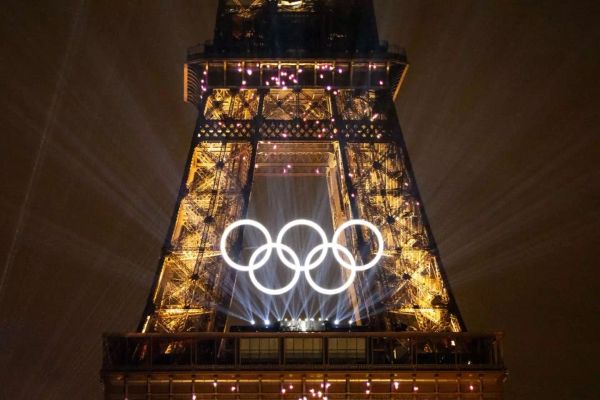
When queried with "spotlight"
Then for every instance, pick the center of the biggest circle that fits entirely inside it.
(336, 322)
(252, 322)
(267, 322)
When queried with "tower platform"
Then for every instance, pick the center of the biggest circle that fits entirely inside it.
(303, 365)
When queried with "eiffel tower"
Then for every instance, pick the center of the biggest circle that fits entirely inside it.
(297, 132)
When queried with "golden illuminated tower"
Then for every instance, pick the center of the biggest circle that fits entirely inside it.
(299, 91)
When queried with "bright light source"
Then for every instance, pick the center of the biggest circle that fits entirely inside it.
(291, 260)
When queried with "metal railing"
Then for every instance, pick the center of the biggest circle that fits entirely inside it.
(302, 351)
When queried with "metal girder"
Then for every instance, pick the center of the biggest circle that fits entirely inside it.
(374, 181)
(412, 288)
(190, 282)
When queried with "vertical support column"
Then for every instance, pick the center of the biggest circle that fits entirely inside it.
(148, 388)
(347, 387)
(303, 386)
(363, 251)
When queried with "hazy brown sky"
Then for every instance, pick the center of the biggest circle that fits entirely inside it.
(500, 114)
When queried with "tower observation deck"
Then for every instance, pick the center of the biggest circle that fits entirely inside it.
(299, 261)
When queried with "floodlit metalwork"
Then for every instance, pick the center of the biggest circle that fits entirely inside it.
(413, 285)
(346, 103)
(300, 88)
(188, 286)
(224, 104)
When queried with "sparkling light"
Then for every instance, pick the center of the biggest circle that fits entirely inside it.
(291, 260)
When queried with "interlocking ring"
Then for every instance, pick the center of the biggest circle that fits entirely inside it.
(290, 259)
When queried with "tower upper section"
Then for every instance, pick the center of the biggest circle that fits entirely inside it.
(296, 28)
(275, 44)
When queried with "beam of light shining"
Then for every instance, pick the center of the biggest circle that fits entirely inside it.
(40, 153)
(302, 198)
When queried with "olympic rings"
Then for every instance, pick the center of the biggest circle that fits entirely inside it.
(293, 262)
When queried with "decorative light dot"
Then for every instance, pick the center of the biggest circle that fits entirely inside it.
(471, 388)
(415, 388)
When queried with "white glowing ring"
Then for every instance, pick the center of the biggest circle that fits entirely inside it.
(250, 266)
(268, 248)
(302, 222)
(295, 264)
(341, 288)
(372, 228)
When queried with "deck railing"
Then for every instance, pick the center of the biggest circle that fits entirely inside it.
(302, 351)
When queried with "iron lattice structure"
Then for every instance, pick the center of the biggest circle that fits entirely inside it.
(300, 88)
(312, 77)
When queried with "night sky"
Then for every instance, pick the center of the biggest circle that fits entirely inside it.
(499, 109)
